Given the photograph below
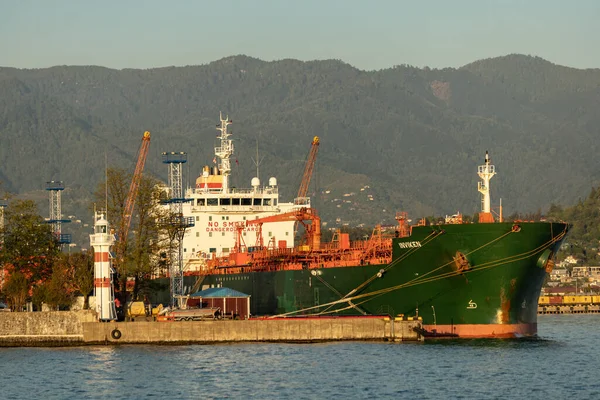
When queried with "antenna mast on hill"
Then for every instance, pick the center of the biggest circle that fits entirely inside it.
(3, 205)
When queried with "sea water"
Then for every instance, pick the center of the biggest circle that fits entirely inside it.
(564, 362)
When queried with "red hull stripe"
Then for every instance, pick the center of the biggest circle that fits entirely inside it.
(486, 330)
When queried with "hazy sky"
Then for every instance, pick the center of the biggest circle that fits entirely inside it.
(369, 35)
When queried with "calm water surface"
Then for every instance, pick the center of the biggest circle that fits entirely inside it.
(563, 363)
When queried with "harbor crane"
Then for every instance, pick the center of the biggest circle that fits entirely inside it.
(131, 196)
(301, 199)
(303, 216)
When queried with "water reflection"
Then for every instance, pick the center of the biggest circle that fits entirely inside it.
(441, 369)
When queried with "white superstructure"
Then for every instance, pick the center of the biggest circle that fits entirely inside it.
(102, 240)
(216, 208)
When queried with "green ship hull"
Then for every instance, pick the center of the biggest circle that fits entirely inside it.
(464, 280)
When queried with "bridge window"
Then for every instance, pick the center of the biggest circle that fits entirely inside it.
(236, 201)
(246, 202)
(266, 202)
(212, 202)
(256, 202)
(226, 202)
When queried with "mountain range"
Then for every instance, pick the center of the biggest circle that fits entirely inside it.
(396, 139)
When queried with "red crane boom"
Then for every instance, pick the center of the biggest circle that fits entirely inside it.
(313, 230)
(133, 189)
(308, 168)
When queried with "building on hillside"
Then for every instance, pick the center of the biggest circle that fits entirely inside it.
(558, 274)
(586, 272)
(569, 260)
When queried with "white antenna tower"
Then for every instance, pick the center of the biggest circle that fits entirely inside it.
(258, 160)
(224, 151)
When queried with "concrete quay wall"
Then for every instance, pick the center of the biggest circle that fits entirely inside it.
(264, 330)
(52, 328)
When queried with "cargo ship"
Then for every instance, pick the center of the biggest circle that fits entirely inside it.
(464, 280)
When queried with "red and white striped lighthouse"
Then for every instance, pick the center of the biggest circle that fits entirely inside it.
(102, 240)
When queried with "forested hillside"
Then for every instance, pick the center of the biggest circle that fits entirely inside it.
(410, 138)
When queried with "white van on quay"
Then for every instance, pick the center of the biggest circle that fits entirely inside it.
(4, 307)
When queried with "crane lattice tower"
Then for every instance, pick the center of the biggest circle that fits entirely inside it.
(177, 223)
(55, 188)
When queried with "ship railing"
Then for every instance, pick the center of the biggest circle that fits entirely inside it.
(249, 192)
(227, 149)
(245, 209)
(358, 245)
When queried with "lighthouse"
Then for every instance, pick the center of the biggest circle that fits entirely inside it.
(102, 240)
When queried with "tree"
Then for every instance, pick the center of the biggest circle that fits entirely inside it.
(16, 290)
(60, 291)
(82, 275)
(29, 246)
(40, 295)
(147, 236)
(151, 234)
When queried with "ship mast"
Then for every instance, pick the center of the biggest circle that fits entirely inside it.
(485, 172)
(224, 151)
